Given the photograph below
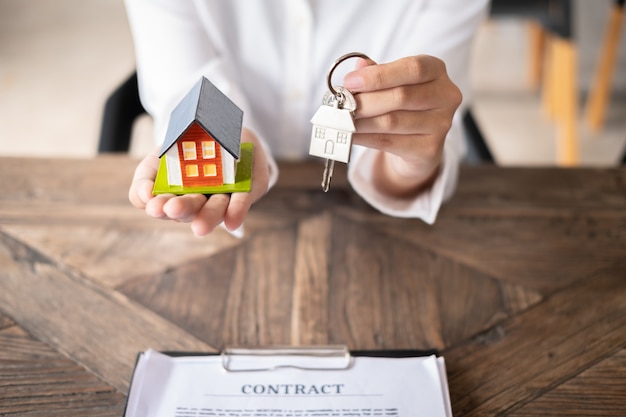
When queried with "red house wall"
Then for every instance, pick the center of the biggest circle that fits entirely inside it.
(197, 135)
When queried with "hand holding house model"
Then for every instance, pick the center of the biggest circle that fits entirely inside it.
(202, 151)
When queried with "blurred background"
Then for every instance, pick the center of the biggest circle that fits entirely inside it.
(61, 59)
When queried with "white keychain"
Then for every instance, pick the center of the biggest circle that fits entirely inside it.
(333, 124)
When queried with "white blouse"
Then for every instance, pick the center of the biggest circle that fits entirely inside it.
(271, 58)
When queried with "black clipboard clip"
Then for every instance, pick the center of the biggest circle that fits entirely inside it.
(310, 358)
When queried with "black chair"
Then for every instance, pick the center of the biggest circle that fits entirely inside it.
(554, 15)
(121, 110)
(477, 149)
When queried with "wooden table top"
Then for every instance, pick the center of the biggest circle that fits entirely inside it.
(521, 284)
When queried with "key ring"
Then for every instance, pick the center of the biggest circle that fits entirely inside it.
(335, 65)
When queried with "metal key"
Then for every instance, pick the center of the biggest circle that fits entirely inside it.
(329, 165)
(333, 123)
(333, 126)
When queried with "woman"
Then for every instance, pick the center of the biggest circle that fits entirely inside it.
(271, 58)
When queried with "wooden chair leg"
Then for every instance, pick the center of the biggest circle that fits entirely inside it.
(599, 94)
(548, 96)
(568, 153)
(536, 42)
(560, 96)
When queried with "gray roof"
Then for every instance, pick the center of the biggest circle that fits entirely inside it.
(213, 111)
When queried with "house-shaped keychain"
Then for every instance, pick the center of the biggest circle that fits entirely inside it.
(201, 152)
(331, 136)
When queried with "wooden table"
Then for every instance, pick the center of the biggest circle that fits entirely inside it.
(521, 285)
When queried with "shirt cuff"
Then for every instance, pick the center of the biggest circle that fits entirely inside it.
(426, 205)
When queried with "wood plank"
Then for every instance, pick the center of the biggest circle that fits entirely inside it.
(113, 255)
(245, 291)
(259, 305)
(386, 293)
(105, 241)
(15, 212)
(281, 279)
(37, 381)
(309, 320)
(568, 249)
(98, 328)
(534, 352)
(103, 180)
(520, 279)
(189, 294)
(598, 391)
(512, 189)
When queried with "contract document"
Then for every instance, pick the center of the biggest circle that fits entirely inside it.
(200, 386)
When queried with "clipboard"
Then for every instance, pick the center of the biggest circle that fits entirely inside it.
(331, 357)
(248, 361)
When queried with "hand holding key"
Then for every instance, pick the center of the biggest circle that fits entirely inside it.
(404, 109)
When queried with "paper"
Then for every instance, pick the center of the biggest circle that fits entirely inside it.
(199, 386)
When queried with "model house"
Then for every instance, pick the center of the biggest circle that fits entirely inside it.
(202, 142)
(331, 136)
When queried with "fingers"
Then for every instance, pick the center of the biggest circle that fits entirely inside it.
(154, 207)
(403, 123)
(412, 148)
(237, 210)
(404, 109)
(210, 215)
(386, 93)
(140, 191)
(203, 214)
(406, 71)
(417, 97)
(185, 207)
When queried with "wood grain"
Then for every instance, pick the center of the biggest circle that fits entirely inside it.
(310, 319)
(538, 191)
(246, 291)
(106, 254)
(330, 280)
(105, 179)
(520, 283)
(79, 181)
(191, 296)
(100, 329)
(598, 391)
(387, 292)
(541, 253)
(536, 351)
(37, 381)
